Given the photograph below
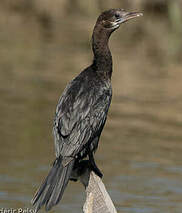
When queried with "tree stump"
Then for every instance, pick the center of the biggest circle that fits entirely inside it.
(97, 197)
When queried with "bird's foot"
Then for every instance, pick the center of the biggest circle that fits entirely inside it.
(97, 171)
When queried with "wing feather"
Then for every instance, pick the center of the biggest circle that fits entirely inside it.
(80, 116)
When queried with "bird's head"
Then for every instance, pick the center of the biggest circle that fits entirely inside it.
(111, 19)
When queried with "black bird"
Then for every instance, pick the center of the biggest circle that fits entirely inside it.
(82, 111)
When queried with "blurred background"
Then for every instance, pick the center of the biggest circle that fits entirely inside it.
(43, 45)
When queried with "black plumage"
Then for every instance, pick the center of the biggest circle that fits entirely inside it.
(81, 112)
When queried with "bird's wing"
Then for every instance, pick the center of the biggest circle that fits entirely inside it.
(80, 116)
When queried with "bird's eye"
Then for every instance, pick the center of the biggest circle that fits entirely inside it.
(117, 15)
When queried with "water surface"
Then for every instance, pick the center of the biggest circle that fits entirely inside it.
(140, 148)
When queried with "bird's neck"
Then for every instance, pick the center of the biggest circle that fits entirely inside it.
(102, 54)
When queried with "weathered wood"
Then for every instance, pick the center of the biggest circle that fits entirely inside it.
(97, 197)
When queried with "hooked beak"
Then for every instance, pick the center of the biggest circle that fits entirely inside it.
(128, 16)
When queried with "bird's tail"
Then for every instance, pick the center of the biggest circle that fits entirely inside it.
(52, 188)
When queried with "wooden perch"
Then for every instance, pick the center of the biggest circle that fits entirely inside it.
(97, 198)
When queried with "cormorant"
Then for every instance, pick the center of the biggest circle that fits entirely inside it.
(81, 112)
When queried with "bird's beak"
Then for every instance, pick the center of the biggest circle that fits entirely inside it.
(128, 16)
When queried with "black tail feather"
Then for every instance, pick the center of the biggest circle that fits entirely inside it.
(52, 188)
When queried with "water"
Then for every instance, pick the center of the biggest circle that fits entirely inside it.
(140, 148)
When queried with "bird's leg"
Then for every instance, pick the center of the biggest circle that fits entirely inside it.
(94, 166)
